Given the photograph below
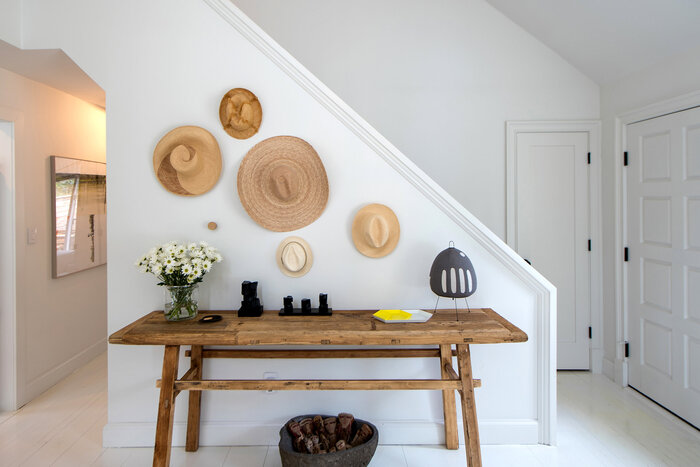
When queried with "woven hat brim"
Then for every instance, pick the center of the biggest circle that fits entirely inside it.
(358, 225)
(207, 149)
(256, 119)
(254, 189)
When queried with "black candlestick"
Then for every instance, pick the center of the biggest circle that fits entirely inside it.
(305, 306)
(288, 304)
(251, 305)
(322, 304)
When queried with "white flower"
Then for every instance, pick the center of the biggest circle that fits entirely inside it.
(192, 246)
(197, 272)
(203, 244)
(206, 266)
(157, 269)
(218, 258)
(169, 269)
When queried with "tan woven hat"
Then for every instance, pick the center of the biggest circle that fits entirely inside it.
(240, 113)
(294, 257)
(375, 230)
(282, 184)
(187, 161)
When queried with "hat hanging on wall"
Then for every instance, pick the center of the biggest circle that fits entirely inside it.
(294, 257)
(240, 113)
(375, 230)
(187, 161)
(452, 274)
(282, 184)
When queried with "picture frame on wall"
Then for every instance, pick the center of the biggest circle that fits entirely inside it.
(79, 214)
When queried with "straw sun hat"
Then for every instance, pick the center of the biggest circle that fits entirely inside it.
(240, 113)
(294, 257)
(187, 161)
(282, 184)
(375, 230)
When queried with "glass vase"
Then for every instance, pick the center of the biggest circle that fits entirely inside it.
(180, 302)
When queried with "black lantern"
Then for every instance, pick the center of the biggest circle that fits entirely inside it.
(452, 275)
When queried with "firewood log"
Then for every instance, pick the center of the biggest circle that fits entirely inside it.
(344, 427)
(325, 444)
(316, 445)
(294, 429)
(307, 426)
(309, 445)
(318, 424)
(340, 445)
(362, 436)
(333, 449)
(329, 426)
(299, 444)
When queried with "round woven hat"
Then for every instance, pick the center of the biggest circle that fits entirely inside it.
(282, 184)
(375, 230)
(187, 161)
(240, 113)
(294, 257)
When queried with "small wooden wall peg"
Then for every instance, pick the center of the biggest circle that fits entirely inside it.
(212, 225)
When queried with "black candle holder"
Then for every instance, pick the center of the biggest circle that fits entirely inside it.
(251, 306)
(306, 310)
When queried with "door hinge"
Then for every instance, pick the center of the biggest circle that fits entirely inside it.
(627, 254)
(590, 332)
(589, 158)
(626, 159)
(589, 244)
(627, 349)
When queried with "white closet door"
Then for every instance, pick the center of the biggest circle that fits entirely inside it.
(663, 235)
(552, 230)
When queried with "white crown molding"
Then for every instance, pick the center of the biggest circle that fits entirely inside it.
(544, 290)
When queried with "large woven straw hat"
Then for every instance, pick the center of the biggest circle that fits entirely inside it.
(375, 230)
(282, 184)
(240, 113)
(187, 161)
(294, 257)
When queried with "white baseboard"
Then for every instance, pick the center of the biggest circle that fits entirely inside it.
(609, 368)
(39, 385)
(597, 361)
(248, 434)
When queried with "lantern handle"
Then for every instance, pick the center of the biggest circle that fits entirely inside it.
(451, 244)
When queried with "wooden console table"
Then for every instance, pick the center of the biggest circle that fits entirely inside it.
(352, 328)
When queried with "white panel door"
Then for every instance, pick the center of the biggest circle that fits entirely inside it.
(552, 230)
(663, 272)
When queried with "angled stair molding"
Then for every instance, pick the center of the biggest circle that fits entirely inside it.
(544, 290)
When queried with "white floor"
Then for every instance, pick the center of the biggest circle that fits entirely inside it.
(600, 424)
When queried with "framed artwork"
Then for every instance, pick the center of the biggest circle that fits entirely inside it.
(79, 195)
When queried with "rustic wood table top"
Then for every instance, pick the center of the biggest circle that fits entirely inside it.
(344, 327)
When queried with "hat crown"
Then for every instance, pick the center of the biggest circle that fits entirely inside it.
(284, 182)
(294, 257)
(185, 159)
(376, 231)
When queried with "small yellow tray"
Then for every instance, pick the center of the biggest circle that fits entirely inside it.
(402, 316)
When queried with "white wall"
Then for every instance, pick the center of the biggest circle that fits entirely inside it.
(675, 77)
(438, 79)
(172, 69)
(61, 322)
(11, 22)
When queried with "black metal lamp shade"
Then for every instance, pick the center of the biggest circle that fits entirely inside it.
(452, 274)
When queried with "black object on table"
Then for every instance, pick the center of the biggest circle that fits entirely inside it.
(251, 306)
(306, 310)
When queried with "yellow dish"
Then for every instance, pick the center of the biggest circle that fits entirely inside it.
(392, 315)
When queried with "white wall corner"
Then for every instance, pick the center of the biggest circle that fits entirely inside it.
(543, 289)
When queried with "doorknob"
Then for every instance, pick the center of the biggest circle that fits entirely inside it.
(527, 261)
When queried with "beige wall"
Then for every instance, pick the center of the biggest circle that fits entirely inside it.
(61, 323)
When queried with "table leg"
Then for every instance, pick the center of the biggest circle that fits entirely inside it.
(192, 443)
(471, 427)
(449, 408)
(166, 407)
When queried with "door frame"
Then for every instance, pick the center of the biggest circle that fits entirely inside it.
(593, 128)
(10, 356)
(620, 368)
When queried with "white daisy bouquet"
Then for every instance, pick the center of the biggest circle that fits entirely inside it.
(177, 264)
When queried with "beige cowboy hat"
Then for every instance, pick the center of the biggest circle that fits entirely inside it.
(240, 113)
(282, 184)
(294, 257)
(375, 230)
(187, 161)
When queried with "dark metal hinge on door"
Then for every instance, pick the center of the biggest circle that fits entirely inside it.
(627, 254)
(627, 349)
(626, 159)
(590, 332)
(589, 244)
(589, 158)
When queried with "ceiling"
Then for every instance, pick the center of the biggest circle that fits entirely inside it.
(609, 39)
(53, 68)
